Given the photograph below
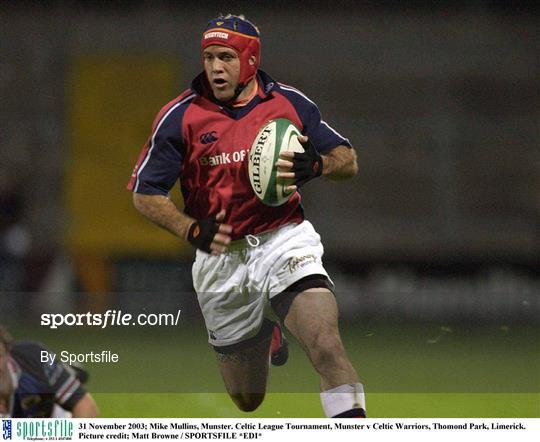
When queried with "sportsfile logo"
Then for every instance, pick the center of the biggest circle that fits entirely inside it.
(49, 429)
(6, 429)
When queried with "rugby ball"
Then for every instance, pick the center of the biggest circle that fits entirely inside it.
(274, 137)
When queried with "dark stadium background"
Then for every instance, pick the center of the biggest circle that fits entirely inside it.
(434, 247)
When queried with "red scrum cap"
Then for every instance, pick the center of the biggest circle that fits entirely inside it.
(239, 34)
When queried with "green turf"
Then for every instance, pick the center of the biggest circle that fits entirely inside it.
(409, 370)
(286, 405)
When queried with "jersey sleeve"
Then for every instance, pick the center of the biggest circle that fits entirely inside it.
(160, 161)
(61, 379)
(68, 389)
(321, 134)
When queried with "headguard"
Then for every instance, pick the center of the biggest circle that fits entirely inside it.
(239, 34)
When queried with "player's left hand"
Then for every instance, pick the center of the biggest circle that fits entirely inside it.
(300, 166)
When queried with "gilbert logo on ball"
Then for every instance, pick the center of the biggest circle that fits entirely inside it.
(274, 137)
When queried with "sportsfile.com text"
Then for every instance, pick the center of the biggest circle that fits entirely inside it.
(110, 318)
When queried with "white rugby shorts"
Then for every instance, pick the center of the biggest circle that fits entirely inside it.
(234, 288)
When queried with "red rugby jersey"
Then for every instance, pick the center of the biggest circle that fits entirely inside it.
(205, 145)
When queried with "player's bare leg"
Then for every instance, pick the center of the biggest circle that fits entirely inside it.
(245, 373)
(313, 320)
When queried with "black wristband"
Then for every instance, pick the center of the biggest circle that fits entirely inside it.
(306, 165)
(201, 233)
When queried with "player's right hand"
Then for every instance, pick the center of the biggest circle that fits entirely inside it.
(210, 234)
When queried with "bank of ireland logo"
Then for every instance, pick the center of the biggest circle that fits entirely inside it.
(208, 137)
(6, 429)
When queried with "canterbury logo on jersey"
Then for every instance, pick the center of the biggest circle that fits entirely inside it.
(208, 137)
(224, 158)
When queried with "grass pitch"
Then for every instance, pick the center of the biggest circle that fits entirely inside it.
(307, 405)
(408, 370)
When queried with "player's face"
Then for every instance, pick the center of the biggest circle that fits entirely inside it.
(222, 67)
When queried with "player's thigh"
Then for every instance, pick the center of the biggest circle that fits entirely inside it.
(313, 319)
(245, 370)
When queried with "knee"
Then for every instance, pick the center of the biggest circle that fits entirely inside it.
(248, 402)
(327, 348)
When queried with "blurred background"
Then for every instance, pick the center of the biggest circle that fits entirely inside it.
(441, 100)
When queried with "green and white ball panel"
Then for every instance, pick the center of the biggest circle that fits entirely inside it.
(273, 138)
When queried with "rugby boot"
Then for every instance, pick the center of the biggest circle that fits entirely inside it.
(279, 348)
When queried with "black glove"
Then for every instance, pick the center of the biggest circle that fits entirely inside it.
(201, 233)
(306, 165)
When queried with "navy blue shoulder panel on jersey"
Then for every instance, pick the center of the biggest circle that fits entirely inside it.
(323, 137)
(160, 168)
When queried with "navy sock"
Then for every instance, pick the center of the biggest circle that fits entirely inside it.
(353, 412)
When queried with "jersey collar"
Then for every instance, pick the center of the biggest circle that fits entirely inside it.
(265, 87)
(200, 86)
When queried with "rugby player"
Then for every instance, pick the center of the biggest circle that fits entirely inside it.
(31, 388)
(256, 266)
